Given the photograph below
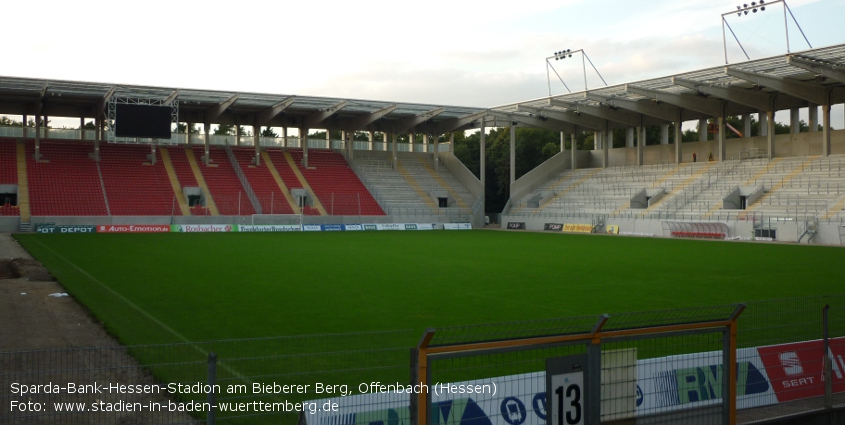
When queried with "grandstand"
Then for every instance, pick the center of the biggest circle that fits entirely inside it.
(753, 183)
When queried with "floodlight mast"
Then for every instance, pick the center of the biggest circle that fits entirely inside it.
(564, 54)
(754, 7)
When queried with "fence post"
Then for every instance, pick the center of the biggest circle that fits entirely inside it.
(593, 376)
(730, 377)
(211, 419)
(415, 379)
(828, 378)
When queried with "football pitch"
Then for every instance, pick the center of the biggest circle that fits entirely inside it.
(162, 288)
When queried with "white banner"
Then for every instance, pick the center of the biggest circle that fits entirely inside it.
(270, 228)
(353, 227)
(457, 226)
(312, 228)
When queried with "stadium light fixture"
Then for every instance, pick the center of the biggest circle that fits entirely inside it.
(567, 54)
(754, 7)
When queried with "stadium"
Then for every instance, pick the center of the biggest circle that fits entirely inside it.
(674, 255)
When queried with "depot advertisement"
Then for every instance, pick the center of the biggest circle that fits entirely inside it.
(133, 228)
(52, 228)
(765, 376)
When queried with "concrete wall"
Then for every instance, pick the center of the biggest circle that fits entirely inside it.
(546, 171)
(462, 173)
(10, 224)
(541, 174)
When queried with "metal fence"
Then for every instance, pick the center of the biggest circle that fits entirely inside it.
(786, 357)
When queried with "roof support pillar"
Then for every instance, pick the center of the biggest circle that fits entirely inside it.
(721, 121)
(37, 154)
(393, 157)
(573, 148)
(25, 126)
(702, 129)
(640, 143)
(763, 125)
(513, 152)
(349, 144)
(256, 142)
(794, 120)
(284, 137)
(205, 157)
(679, 138)
(826, 130)
(770, 134)
(664, 134)
(630, 135)
(813, 111)
(562, 141)
(370, 136)
(606, 141)
(746, 125)
(303, 140)
(436, 152)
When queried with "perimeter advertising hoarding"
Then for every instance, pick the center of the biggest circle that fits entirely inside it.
(578, 228)
(765, 376)
(52, 228)
(553, 227)
(398, 226)
(201, 228)
(796, 370)
(516, 225)
(133, 228)
(270, 228)
(457, 226)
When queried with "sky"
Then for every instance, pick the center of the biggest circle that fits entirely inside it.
(457, 52)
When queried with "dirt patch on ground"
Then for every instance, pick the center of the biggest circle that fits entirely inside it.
(46, 337)
(24, 268)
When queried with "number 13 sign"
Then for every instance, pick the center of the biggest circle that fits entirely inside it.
(565, 390)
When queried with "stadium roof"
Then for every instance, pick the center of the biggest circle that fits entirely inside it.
(85, 99)
(795, 80)
(815, 76)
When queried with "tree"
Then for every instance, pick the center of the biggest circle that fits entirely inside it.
(180, 128)
(268, 132)
(225, 130)
(8, 122)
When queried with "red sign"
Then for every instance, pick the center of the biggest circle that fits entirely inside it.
(796, 371)
(133, 228)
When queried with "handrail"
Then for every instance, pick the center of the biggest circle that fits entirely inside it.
(250, 194)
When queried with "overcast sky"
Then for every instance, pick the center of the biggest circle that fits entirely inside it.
(457, 52)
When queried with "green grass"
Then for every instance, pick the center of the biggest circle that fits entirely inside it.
(217, 286)
(163, 288)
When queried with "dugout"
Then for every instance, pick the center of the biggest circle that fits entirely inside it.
(701, 230)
